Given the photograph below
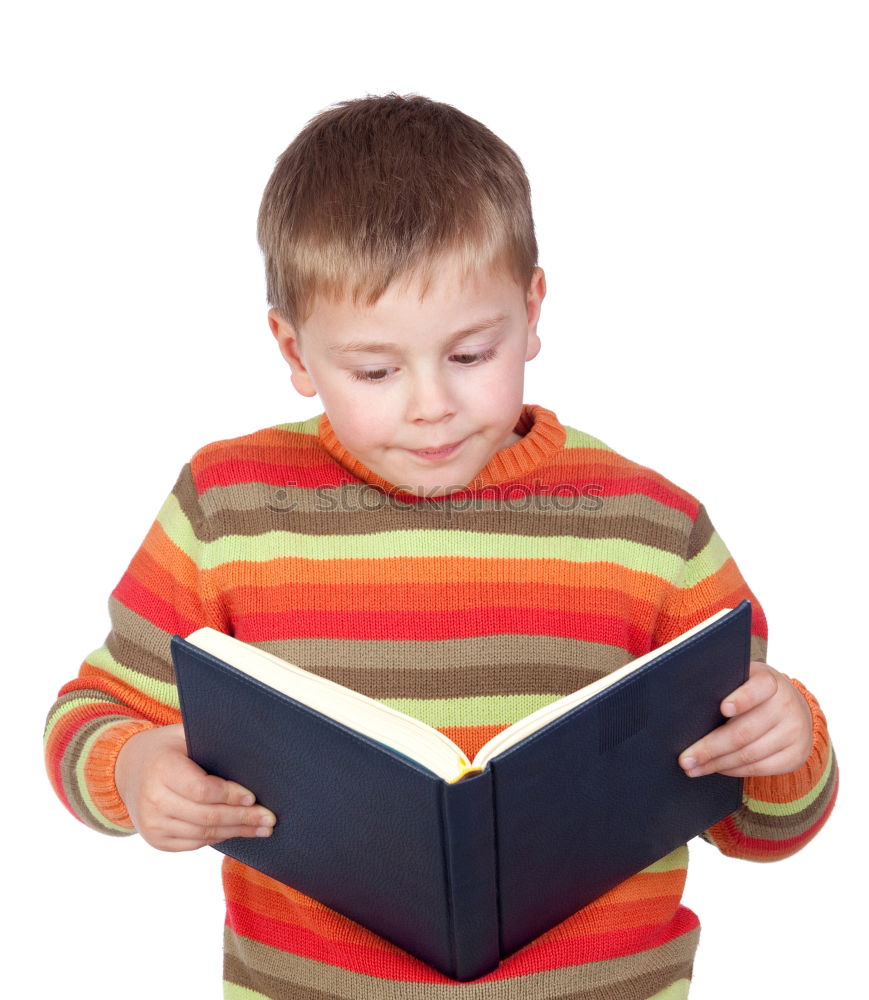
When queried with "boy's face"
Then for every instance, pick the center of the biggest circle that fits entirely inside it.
(423, 391)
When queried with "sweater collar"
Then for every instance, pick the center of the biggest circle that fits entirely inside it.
(541, 437)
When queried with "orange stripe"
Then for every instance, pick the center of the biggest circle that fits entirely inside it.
(644, 885)
(647, 898)
(261, 895)
(99, 771)
(723, 588)
(391, 597)
(389, 963)
(593, 920)
(163, 568)
(63, 731)
(271, 443)
(135, 702)
(730, 840)
(281, 447)
(447, 571)
(470, 739)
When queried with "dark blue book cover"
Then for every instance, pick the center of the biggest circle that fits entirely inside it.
(463, 874)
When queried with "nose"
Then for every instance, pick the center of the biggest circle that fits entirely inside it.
(430, 400)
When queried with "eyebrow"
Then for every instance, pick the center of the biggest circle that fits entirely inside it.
(381, 347)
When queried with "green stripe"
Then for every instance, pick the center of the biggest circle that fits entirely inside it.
(310, 426)
(166, 694)
(72, 705)
(84, 755)
(430, 544)
(675, 991)
(233, 992)
(708, 561)
(675, 861)
(175, 523)
(64, 709)
(579, 439)
(494, 710)
(791, 808)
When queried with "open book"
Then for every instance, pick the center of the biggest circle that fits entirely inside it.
(462, 862)
(405, 734)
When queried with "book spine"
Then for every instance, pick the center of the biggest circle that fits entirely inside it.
(471, 871)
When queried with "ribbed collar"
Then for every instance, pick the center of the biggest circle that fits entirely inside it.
(541, 437)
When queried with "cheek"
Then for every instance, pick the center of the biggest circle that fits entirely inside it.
(364, 421)
(499, 388)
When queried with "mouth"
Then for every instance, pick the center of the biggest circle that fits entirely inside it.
(442, 451)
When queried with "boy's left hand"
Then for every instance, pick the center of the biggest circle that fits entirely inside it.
(768, 730)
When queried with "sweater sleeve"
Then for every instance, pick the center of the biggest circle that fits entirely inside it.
(127, 685)
(779, 813)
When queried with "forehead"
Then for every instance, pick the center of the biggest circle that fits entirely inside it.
(444, 300)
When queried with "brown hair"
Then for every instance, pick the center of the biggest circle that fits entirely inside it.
(383, 187)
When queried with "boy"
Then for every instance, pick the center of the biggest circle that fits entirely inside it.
(429, 540)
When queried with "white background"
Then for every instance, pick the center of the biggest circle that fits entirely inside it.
(699, 181)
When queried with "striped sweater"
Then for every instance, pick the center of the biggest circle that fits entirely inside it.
(558, 564)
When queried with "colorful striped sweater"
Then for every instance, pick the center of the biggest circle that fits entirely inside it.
(561, 562)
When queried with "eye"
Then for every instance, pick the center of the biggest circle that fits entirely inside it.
(473, 359)
(370, 374)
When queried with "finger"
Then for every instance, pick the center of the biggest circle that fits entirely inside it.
(196, 785)
(761, 685)
(738, 732)
(742, 759)
(237, 795)
(183, 837)
(215, 820)
(197, 824)
(200, 836)
(778, 763)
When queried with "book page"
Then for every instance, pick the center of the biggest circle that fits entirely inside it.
(543, 716)
(403, 733)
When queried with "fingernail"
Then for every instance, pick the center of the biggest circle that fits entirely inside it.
(728, 708)
(264, 831)
(689, 763)
(247, 800)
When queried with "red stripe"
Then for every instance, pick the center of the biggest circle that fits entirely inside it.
(153, 608)
(238, 471)
(426, 625)
(647, 486)
(391, 963)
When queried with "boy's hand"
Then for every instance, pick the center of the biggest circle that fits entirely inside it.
(768, 731)
(174, 804)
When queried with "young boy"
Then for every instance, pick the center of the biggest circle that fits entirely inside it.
(429, 541)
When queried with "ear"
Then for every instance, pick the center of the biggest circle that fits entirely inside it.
(534, 299)
(288, 342)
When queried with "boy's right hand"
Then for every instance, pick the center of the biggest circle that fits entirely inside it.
(174, 804)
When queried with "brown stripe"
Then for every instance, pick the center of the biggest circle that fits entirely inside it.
(758, 649)
(489, 665)
(775, 828)
(136, 643)
(85, 696)
(283, 976)
(187, 497)
(255, 508)
(701, 534)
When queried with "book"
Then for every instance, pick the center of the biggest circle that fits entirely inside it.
(462, 862)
